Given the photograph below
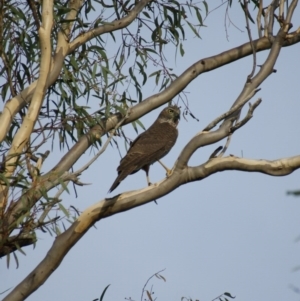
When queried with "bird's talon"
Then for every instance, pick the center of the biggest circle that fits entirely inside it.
(169, 173)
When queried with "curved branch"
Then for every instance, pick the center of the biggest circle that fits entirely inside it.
(247, 117)
(129, 200)
(280, 167)
(199, 140)
(14, 105)
(16, 209)
(156, 100)
(231, 111)
(290, 12)
(206, 138)
(23, 134)
(108, 27)
(47, 182)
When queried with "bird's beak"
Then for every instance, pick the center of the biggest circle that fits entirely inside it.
(177, 118)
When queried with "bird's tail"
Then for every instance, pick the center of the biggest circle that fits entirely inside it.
(117, 181)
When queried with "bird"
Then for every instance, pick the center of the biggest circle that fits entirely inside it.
(150, 146)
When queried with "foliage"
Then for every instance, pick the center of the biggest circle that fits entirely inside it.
(59, 57)
(88, 71)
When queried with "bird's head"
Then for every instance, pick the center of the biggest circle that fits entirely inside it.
(170, 114)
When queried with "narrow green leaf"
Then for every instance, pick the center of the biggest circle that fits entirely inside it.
(104, 74)
(94, 71)
(229, 295)
(146, 14)
(64, 210)
(134, 126)
(143, 72)
(193, 29)
(63, 184)
(199, 17)
(206, 7)
(103, 293)
(20, 250)
(181, 49)
(140, 124)
(157, 77)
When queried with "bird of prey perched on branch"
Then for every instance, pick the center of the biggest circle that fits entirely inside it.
(150, 146)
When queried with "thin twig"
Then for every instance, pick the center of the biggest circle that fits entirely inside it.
(281, 10)
(231, 111)
(34, 13)
(247, 117)
(51, 205)
(266, 15)
(112, 132)
(290, 12)
(246, 11)
(148, 282)
(258, 18)
(273, 7)
(226, 146)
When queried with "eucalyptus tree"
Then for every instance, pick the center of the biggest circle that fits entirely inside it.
(57, 54)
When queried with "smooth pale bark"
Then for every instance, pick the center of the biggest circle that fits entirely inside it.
(129, 200)
(181, 173)
(23, 134)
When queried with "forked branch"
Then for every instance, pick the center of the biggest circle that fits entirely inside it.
(126, 201)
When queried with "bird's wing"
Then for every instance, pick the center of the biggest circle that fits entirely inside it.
(146, 149)
(150, 146)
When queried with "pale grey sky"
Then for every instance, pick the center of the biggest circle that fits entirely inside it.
(232, 232)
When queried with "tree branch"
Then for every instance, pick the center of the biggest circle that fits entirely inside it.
(50, 181)
(16, 242)
(29, 121)
(87, 165)
(156, 100)
(129, 200)
(14, 105)
(198, 141)
(247, 117)
(280, 167)
(32, 195)
(205, 138)
(108, 27)
(246, 11)
(34, 13)
(230, 112)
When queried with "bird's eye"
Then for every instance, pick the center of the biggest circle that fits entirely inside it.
(170, 110)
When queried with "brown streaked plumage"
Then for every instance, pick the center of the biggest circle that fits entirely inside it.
(150, 146)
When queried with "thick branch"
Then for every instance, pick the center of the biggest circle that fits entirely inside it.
(46, 183)
(14, 105)
(154, 101)
(280, 167)
(250, 87)
(126, 201)
(32, 195)
(17, 242)
(26, 128)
